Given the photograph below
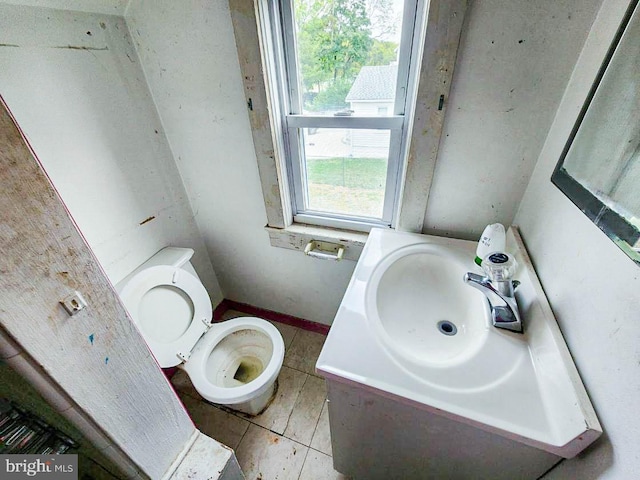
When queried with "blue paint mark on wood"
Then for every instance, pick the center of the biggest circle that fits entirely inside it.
(106, 360)
(91, 337)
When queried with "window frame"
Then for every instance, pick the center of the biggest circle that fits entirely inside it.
(438, 50)
(279, 25)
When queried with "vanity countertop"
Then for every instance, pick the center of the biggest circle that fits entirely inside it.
(522, 386)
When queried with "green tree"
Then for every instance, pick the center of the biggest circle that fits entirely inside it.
(333, 96)
(345, 40)
(334, 40)
(312, 73)
(310, 24)
(382, 53)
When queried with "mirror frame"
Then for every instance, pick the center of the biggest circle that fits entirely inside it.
(616, 227)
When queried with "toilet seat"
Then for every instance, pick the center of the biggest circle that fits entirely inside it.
(234, 363)
(173, 352)
(196, 367)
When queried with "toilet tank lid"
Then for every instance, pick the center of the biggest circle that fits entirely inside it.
(171, 256)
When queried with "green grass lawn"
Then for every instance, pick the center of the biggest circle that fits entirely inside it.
(352, 186)
(365, 173)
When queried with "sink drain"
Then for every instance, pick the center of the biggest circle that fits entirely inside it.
(447, 328)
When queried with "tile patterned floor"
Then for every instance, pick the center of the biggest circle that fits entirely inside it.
(290, 439)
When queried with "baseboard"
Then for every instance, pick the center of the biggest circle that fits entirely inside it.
(269, 315)
(219, 311)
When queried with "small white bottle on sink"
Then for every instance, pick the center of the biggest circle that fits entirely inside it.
(493, 239)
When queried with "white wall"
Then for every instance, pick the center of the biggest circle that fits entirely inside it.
(190, 61)
(594, 289)
(503, 100)
(75, 85)
(110, 7)
(371, 107)
(514, 61)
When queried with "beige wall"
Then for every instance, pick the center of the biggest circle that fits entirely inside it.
(503, 97)
(75, 86)
(502, 103)
(514, 61)
(191, 65)
(593, 288)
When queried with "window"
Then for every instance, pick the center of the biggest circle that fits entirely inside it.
(342, 75)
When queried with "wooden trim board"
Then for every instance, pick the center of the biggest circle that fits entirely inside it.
(445, 19)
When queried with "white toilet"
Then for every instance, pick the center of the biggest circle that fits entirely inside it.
(233, 363)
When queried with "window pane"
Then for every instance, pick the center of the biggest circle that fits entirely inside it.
(346, 170)
(347, 55)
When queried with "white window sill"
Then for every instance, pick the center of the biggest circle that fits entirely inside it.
(297, 236)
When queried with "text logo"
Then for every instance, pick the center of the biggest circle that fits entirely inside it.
(51, 467)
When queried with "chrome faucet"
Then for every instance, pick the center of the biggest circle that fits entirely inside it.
(499, 289)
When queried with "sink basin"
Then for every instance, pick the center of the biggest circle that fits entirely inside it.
(434, 326)
(421, 309)
(392, 335)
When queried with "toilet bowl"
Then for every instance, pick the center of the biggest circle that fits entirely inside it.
(233, 363)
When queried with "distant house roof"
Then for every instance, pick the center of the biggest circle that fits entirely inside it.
(374, 83)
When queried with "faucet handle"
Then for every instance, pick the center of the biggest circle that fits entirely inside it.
(499, 266)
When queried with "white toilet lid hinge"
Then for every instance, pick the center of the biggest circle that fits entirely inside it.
(183, 356)
(207, 323)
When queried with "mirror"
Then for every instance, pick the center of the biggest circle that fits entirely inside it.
(599, 169)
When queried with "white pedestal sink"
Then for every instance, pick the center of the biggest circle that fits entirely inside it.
(413, 345)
